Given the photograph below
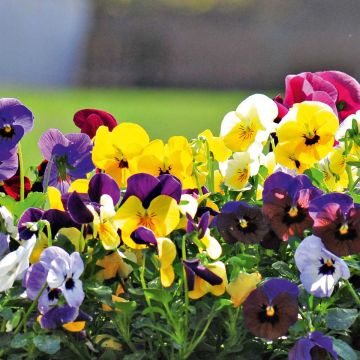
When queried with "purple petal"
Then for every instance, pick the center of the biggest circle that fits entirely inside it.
(170, 186)
(203, 272)
(8, 143)
(274, 287)
(31, 215)
(76, 265)
(144, 236)
(78, 210)
(190, 225)
(4, 244)
(34, 279)
(49, 140)
(229, 207)
(58, 316)
(59, 219)
(316, 205)
(203, 224)
(8, 163)
(301, 350)
(101, 184)
(51, 253)
(190, 276)
(323, 341)
(278, 180)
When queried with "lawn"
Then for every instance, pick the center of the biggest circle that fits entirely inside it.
(162, 112)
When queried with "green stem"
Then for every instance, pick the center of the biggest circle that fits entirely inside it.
(31, 308)
(21, 169)
(197, 180)
(351, 180)
(143, 284)
(353, 292)
(186, 287)
(49, 234)
(210, 166)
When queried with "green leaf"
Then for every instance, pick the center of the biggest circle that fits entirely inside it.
(137, 356)
(154, 310)
(160, 295)
(340, 319)
(283, 268)
(49, 344)
(127, 307)
(222, 303)
(103, 293)
(244, 261)
(20, 341)
(354, 126)
(344, 350)
(315, 175)
(353, 163)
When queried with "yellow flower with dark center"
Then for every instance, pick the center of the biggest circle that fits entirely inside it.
(114, 151)
(308, 130)
(286, 155)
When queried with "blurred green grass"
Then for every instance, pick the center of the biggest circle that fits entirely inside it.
(162, 112)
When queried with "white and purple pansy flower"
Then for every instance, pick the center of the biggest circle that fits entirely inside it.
(320, 269)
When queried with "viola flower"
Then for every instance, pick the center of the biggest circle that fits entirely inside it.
(204, 279)
(174, 158)
(9, 164)
(286, 201)
(89, 120)
(57, 316)
(241, 222)
(309, 129)
(253, 121)
(238, 170)
(320, 269)
(241, 287)
(166, 250)
(98, 207)
(216, 146)
(270, 310)
(115, 151)
(314, 346)
(69, 158)
(211, 245)
(14, 264)
(337, 223)
(149, 202)
(15, 121)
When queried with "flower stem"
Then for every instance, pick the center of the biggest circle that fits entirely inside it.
(353, 292)
(21, 169)
(143, 284)
(31, 308)
(186, 287)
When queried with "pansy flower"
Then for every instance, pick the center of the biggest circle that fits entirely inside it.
(286, 201)
(270, 310)
(252, 121)
(115, 151)
(204, 239)
(149, 202)
(308, 130)
(166, 252)
(241, 222)
(203, 279)
(98, 207)
(313, 346)
(9, 163)
(15, 121)
(89, 120)
(320, 269)
(337, 223)
(69, 158)
(12, 186)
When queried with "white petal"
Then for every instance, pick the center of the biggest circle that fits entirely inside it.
(58, 271)
(228, 123)
(76, 265)
(74, 296)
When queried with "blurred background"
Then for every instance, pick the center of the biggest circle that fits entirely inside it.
(173, 66)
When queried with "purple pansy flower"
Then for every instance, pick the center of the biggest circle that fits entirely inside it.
(270, 310)
(15, 121)
(58, 316)
(8, 163)
(314, 346)
(320, 269)
(337, 223)
(69, 158)
(286, 201)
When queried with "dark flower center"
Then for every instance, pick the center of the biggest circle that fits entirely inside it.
(318, 353)
(246, 225)
(268, 314)
(123, 164)
(53, 294)
(69, 284)
(312, 140)
(7, 131)
(327, 267)
(345, 232)
(293, 215)
(166, 171)
(297, 164)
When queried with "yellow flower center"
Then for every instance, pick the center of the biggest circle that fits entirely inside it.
(344, 229)
(146, 220)
(7, 128)
(243, 175)
(293, 211)
(270, 311)
(1, 183)
(246, 132)
(243, 223)
(329, 263)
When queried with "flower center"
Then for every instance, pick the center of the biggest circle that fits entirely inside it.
(53, 294)
(312, 139)
(123, 164)
(293, 211)
(7, 131)
(270, 311)
(146, 220)
(327, 267)
(69, 284)
(164, 170)
(268, 314)
(243, 223)
(344, 229)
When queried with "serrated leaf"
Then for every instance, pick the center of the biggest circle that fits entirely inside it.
(49, 344)
(340, 319)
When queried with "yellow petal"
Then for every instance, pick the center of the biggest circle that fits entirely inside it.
(80, 185)
(108, 236)
(167, 251)
(75, 326)
(167, 276)
(213, 248)
(40, 245)
(54, 197)
(74, 236)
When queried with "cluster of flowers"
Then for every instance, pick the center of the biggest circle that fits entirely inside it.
(263, 217)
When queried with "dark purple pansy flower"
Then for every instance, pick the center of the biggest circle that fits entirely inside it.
(8, 163)
(337, 223)
(270, 310)
(99, 185)
(28, 224)
(58, 316)
(271, 241)
(242, 222)
(15, 121)
(314, 346)
(147, 187)
(286, 201)
(89, 120)
(194, 267)
(69, 158)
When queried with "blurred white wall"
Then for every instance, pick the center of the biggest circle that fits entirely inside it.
(42, 42)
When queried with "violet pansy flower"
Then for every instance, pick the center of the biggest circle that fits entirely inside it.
(69, 158)
(314, 346)
(320, 269)
(8, 163)
(15, 121)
